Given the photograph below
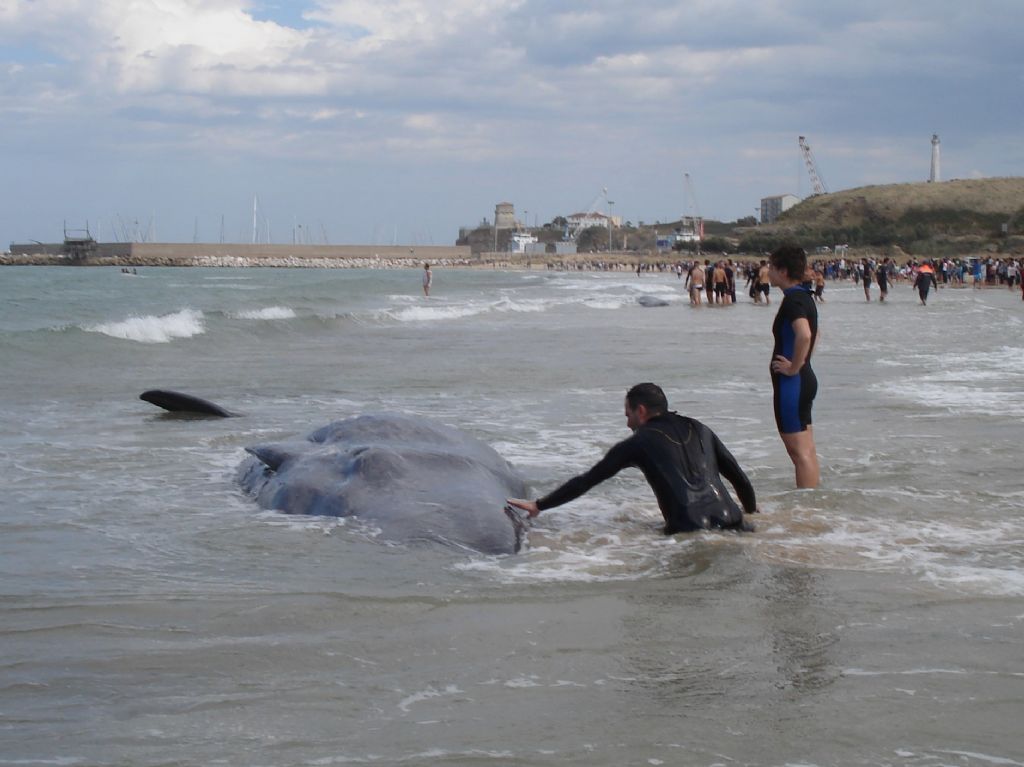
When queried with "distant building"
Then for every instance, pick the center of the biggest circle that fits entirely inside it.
(667, 242)
(524, 242)
(504, 216)
(580, 221)
(690, 229)
(773, 207)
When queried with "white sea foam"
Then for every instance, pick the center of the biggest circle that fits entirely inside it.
(989, 383)
(431, 312)
(599, 282)
(151, 329)
(572, 554)
(963, 399)
(427, 694)
(601, 297)
(304, 523)
(932, 551)
(435, 313)
(997, 760)
(605, 303)
(522, 305)
(267, 313)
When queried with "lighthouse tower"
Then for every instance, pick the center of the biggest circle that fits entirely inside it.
(934, 178)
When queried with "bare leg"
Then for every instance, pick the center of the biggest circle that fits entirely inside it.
(800, 446)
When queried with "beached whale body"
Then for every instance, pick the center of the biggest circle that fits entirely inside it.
(651, 301)
(413, 478)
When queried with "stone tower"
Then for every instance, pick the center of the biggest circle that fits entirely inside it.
(504, 216)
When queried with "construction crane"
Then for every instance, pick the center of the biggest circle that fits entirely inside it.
(817, 185)
(572, 230)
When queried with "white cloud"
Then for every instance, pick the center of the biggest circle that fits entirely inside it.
(147, 46)
(374, 24)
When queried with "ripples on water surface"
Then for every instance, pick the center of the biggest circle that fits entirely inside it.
(151, 614)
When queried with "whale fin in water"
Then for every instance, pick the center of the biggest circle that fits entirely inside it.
(271, 455)
(177, 402)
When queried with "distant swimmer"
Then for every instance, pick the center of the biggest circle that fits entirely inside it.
(793, 381)
(428, 279)
(682, 460)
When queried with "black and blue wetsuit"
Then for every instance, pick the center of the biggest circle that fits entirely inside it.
(684, 462)
(794, 395)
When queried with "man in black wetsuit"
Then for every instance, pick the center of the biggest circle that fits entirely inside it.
(682, 460)
(882, 275)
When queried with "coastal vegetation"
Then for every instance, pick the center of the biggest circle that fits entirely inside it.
(944, 219)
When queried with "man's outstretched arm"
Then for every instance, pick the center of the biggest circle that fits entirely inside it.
(617, 459)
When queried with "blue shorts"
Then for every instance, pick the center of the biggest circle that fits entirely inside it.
(793, 399)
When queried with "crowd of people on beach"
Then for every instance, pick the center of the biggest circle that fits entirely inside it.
(707, 287)
(715, 282)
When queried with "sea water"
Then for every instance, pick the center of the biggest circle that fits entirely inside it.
(151, 614)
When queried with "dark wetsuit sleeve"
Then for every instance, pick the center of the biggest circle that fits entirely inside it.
(729, 468)
(618, 458)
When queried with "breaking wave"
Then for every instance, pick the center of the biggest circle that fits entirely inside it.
(151, 329)
(267, 313)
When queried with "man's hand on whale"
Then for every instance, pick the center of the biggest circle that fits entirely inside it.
(530, 507)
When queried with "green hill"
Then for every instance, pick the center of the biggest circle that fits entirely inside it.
(948, 218)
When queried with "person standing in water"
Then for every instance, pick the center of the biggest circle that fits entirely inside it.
(696, 282)
(924, 281)
(882, 275)
(867, 274)
(428, 279)
(793, 381)
(764, 282)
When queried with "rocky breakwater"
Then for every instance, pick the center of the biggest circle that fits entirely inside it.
(293, 262)
(244, 256)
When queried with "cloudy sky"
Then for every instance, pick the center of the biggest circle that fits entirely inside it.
(373, 121)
